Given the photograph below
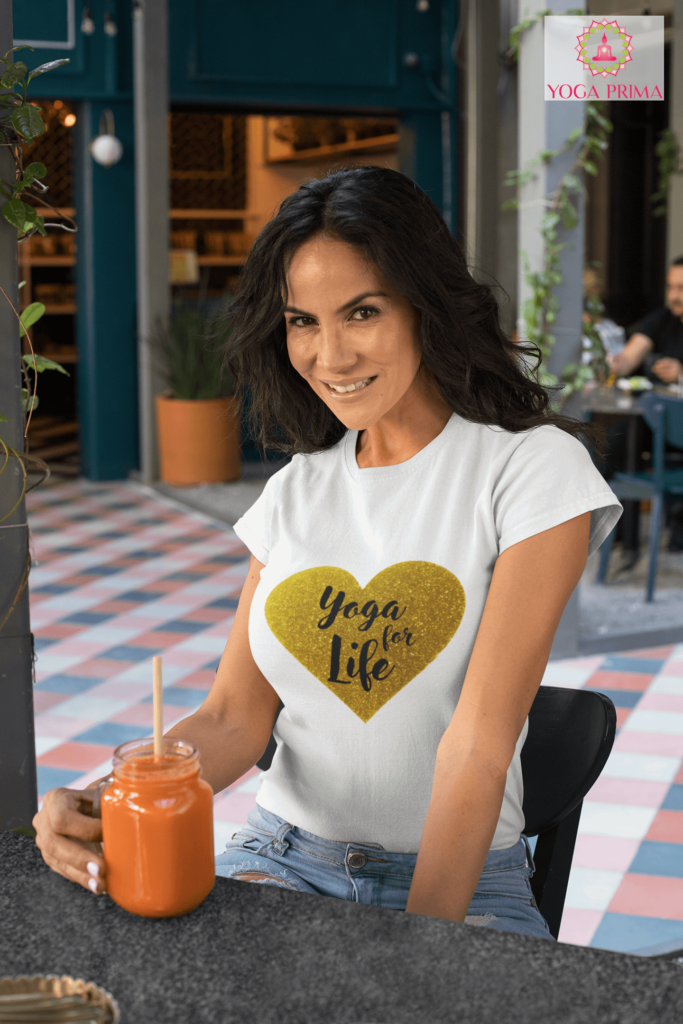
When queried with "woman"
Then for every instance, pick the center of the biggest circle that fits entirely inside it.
(409, 569)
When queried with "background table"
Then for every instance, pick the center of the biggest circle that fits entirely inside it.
(619, 404)
(253, 954)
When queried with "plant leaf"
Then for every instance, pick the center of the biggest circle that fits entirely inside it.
(27, 121)
(571, 181)
(14, 212)
(51, 64)
(42, 362)
(3, 419)
(36, 170)
(29, 317)
(13, 74)
(25, 402)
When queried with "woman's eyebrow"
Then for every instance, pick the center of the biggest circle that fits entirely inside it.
(347, 305)
(359, 298)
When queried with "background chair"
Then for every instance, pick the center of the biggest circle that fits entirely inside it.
(664, 415)
(570, 737)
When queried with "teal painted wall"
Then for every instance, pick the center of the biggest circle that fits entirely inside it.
(106, 322)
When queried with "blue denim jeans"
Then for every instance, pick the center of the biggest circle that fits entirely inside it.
(367, 873)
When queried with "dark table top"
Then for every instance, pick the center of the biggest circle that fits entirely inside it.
(618, 402)
(253, 954)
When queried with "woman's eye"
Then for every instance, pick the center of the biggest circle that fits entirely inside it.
(364, 313)
(301, 321)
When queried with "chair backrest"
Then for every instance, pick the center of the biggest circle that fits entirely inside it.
(672, 408)
(570, 737)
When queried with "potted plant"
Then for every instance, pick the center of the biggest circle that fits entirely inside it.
(197, 417)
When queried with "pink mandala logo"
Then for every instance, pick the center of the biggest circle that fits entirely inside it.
(607, 55)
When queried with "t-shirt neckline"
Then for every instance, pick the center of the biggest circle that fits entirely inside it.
(414, 462)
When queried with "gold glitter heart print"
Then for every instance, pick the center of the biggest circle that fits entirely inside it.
(366, 644)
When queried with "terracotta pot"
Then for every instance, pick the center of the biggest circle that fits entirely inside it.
(199, 441)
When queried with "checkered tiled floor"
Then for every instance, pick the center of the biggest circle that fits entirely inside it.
(121, 576)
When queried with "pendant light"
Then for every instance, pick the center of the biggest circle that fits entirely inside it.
(105, 148)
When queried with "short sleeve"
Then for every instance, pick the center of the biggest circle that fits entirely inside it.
(652, 325)
(254, 528)
(548, 479)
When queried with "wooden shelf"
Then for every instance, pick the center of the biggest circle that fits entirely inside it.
(60, 309)
(221, 261)
(38, 433)
(57, 450)
(60, 211)
(60, 357)
(213, 214)
(48, 261)
(378, 144)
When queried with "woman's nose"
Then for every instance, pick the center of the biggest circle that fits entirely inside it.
(334, 354)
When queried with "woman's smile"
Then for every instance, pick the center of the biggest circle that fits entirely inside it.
(346, 388)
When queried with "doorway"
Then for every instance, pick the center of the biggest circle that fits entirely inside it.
(229, 173)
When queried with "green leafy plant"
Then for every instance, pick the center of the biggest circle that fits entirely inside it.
(667, 150)
(540, 309)
(37, 363)
(593, 365)
(188, 359)
(21, 122)
(527, 22)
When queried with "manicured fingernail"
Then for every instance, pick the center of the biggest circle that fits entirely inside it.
(93, 868)
(92, 884)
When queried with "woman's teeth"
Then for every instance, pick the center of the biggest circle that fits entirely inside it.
(358, 386)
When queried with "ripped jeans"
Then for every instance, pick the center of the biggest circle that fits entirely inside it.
(366, 873)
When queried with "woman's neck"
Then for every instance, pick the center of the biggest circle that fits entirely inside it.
(410, 426)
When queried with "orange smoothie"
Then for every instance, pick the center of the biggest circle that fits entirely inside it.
(157, 830)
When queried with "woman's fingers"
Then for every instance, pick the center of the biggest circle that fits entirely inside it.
(69, 840)
(65, 807)
(76, 862)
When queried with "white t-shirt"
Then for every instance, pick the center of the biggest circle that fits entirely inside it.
(368, 607)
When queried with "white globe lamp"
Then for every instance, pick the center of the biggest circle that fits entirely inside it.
(105, 148)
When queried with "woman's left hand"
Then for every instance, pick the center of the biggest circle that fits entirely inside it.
(531, 584)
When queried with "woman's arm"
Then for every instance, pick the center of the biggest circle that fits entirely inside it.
(532, 582)
(230, 730)
(232, 727)
(632, 354)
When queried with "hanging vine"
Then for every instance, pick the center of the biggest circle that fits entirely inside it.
(540, 309)
(21, 123)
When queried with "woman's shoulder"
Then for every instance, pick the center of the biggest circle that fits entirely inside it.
(302, 470)
(493, 440)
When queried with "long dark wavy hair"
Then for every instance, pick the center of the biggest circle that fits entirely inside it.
(481, 373)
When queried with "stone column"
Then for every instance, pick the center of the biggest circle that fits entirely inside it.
(18, 798)
(481, 126)
(545, 125)
(150, 57)
(675, 220)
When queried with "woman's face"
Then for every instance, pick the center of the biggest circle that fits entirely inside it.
(350, 334)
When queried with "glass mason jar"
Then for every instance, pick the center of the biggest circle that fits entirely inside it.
(157, 829)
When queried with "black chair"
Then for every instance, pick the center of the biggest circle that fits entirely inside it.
(570, 737)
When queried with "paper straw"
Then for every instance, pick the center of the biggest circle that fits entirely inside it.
(158, 709)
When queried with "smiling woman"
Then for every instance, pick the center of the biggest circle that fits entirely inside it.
(361, 355)
(400, 255)
(409, 568)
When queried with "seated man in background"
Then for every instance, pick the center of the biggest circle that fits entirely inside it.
(658, 341)
(659, 336)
